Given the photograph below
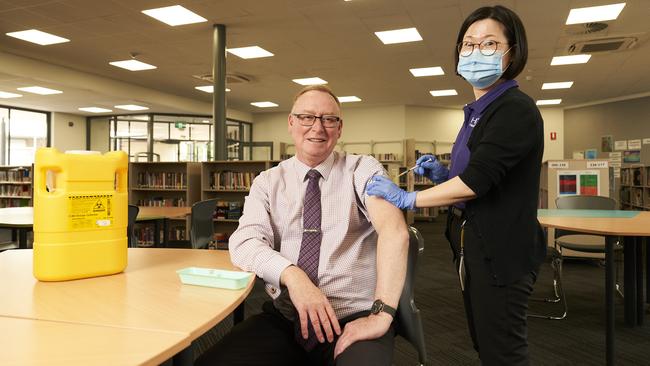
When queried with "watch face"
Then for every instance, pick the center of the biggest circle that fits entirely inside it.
(376, 307)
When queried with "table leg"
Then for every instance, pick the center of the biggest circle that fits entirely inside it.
(647, 270)
(629, 266)
(640, 310)
(609, 299)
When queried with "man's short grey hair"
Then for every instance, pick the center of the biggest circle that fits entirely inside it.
(320, 88)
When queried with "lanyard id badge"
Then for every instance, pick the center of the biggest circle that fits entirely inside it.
(461, 259)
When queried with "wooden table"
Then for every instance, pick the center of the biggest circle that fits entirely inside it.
(147, 213)
(22, 219)
(29, 342)
(148, 295)
(612, 224)
(19, 219)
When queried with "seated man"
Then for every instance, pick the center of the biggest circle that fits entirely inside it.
(326, 262)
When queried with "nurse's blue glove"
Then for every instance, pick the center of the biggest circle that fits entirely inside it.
(385, 188)
(432, 169)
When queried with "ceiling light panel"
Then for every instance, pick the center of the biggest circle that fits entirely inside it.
(427, 71)
(349, 99)
(131, 107)
(133, 65)
(560, 85)
(570, 60)
(549, 101)
(399, 36)
(207, 88)
(310, 81)
(7, 95)
(264, 104)
(175, 15)
(38, 37)
(443, 93)
(40, 90)
(594, 13)
(95, 109)
(249, 52)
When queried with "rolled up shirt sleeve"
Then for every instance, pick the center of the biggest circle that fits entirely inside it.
(251, 246)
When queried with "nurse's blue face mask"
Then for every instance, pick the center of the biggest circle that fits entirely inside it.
(480, 64)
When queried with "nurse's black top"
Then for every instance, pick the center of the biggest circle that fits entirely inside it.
(506, 149)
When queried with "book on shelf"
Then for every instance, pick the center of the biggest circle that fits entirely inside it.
(162, 202)
(162, 180)
(387, 157)
(229, 180)
(228, 210)
(15, 202)
(145, 235)
(16, 175)
(21, 190)
(444, 157)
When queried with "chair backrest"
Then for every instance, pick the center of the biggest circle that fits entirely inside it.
(130, 234)
(409, 323)
(582, 203)
(202, 225)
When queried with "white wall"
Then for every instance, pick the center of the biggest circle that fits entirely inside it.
(424, 124)
(66, 137)
(553, 122)
(99, 134)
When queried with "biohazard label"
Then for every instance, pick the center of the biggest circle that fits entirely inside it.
(90, 211)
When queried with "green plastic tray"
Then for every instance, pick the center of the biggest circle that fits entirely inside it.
(210, 277)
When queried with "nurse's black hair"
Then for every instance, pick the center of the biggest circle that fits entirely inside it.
(514, 32)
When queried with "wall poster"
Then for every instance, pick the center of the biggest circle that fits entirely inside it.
(607, 143)
(578, 182)
(632, 156)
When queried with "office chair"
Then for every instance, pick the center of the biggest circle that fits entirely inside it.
(130, 233)
(409, 319)
(202, 225)
(576, 241)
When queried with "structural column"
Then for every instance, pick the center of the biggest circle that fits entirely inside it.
(219, 93)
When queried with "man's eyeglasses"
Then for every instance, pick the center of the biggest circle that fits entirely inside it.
(486, 47)
(308, 120)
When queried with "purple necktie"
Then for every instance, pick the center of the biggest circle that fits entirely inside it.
(310, 247)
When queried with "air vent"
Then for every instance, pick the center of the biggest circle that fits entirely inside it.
(230, 78)
(585, 28)
(603, 45)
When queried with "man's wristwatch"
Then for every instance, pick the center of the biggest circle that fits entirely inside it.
(379, 306)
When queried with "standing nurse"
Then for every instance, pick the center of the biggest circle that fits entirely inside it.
(492, 187)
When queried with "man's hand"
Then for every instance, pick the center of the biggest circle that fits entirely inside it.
(366, 328)
(311, 305)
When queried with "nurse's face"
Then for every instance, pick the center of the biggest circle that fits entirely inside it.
(486, 31)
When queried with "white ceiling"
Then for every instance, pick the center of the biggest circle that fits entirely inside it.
(331, 39)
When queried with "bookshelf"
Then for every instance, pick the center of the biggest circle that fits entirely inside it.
(229, 182)
(164, 184)
(16, 186)
(442, 151)
(635, 188)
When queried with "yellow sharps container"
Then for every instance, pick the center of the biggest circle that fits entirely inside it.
(80, 214)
